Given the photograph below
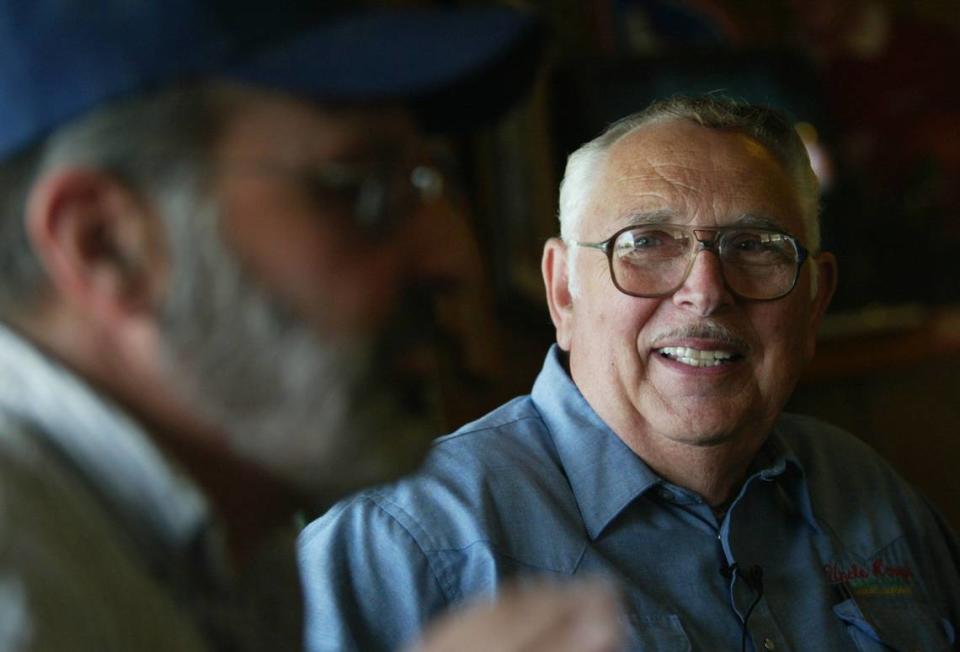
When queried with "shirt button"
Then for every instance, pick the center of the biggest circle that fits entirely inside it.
(768, 644)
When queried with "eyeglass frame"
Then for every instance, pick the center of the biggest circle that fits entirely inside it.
(704, 244)
(370, 211)
(370, 208)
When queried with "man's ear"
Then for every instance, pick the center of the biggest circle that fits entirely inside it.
(557, 284)
(97, 242)
(826, 284)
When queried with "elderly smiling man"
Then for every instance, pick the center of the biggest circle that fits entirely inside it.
(686, 292)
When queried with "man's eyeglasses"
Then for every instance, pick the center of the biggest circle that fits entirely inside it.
(376, 196)
(382, 195)
(654, 260)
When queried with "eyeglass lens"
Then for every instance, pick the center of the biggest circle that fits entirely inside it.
(655, 260)
(396, 191)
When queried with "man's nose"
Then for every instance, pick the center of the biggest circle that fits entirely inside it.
(704, 291)
(442, 249)
(445, 257)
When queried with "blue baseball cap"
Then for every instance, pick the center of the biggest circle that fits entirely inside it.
(455, 68)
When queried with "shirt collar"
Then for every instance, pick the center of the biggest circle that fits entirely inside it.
(163, 510)
(606, 475)
(777, 461)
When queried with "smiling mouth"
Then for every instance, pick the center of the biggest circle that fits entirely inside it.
(698, 357)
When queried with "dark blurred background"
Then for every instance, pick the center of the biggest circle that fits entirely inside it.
(872, 86)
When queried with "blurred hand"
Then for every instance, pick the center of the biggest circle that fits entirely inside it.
(580, 617)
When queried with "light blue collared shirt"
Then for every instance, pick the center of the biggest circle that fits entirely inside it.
(846, 550)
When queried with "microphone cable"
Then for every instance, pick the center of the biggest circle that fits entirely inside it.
(754, 579)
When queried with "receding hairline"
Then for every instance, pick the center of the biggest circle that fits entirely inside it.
(653, 125)
(782, 143)
(614, 137)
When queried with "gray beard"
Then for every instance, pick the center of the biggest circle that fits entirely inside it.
(324, 414)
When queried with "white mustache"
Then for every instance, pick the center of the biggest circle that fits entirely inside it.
(708, 330)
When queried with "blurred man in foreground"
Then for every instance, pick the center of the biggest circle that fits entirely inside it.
(213, 215)
(686, 290)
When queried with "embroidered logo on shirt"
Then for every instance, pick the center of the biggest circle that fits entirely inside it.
(874, 578)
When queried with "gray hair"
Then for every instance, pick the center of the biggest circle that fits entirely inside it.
(22, 279)
(158, 144)
(770, 127)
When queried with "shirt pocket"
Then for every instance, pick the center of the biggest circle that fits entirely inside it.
(657, 634)
(900, 625)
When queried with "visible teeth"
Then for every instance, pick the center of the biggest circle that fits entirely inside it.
(696, 357)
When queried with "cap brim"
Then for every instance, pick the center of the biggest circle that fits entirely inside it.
(455, 68)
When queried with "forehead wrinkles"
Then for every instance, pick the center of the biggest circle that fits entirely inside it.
(668, 173)
(679, 147)
(645, 185)
(697, 171)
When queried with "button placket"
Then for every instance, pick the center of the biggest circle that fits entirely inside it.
(764, 629)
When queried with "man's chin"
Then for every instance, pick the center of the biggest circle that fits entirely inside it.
(701, 428)
(708, 439)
